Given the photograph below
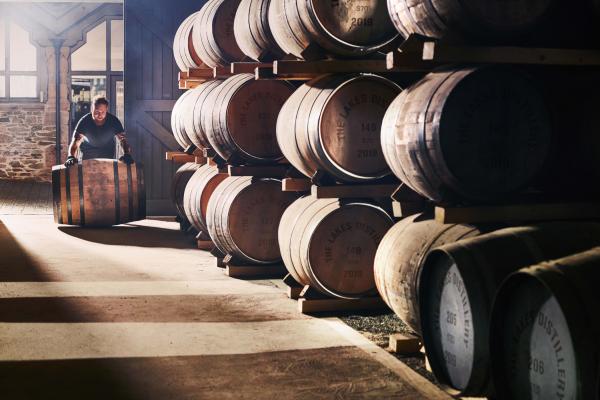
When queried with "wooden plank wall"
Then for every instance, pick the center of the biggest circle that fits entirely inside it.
(151, 89)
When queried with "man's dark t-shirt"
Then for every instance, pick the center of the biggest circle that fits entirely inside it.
(100, 141)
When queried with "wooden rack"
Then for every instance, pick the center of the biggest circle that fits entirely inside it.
(517, 213)
(415, 54)
(420, 51)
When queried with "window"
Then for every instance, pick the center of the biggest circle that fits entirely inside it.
(92, 55)
(97, 69)
(18, 63)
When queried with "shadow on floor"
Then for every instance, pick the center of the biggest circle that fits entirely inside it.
(15, 264)
(132, 235)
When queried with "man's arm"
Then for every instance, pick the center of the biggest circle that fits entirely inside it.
(126, 157)
(78, 138)
(124, 144)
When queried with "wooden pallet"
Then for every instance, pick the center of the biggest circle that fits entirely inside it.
(429, 53)
(518, 213)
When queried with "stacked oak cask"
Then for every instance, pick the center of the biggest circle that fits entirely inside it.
(481, 135)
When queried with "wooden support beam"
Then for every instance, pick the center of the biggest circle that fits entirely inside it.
(404, 344)
(259, 171)
(201, 73)
(349, 191)
(307, 306)
(179, 157)
(221, 72)
(315, 68)
(296, 185)
(294, 289)
(252, 271)
(247, 67)
(445, 54)
(517, 213)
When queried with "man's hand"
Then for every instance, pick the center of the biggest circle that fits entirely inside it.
(127, 159)
(70, 161)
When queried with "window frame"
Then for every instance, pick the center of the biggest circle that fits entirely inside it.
(108, 72)
(7, 73)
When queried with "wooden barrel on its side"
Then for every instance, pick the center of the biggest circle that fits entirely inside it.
(243, 217)
(241, 119)
(545, 330)
(180, 180)
(458, 283)
(400, 257)
(343, 28)
(331, 245)
(487, 134)
(183, 47)
(478, 20)
(252, 31)
(197, 194)
(333, 124)
(192, 115)
(98, 192)
(178, 115)
(213, 36)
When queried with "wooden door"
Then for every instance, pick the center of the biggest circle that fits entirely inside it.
(151, 89)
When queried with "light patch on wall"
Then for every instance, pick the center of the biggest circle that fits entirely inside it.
(2, 87)
(92, 55)
(2, 48)
(22, 52)
(116, 45)
(23, 86)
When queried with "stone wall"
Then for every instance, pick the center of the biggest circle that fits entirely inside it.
(28, 129)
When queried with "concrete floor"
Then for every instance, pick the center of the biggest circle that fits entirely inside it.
(135, 312)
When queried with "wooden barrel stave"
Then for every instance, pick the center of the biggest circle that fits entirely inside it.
(182, 177)
(183, 49)
(545, 321)
(252, 31)
(286, 236)
(400, 257)
(196, 106)
(178, 115)
(213, 36)
(465, 111)
(197, 194)
(99, 192)
(461, 280)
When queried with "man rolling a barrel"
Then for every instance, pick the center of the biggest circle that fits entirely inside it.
(95, 136)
